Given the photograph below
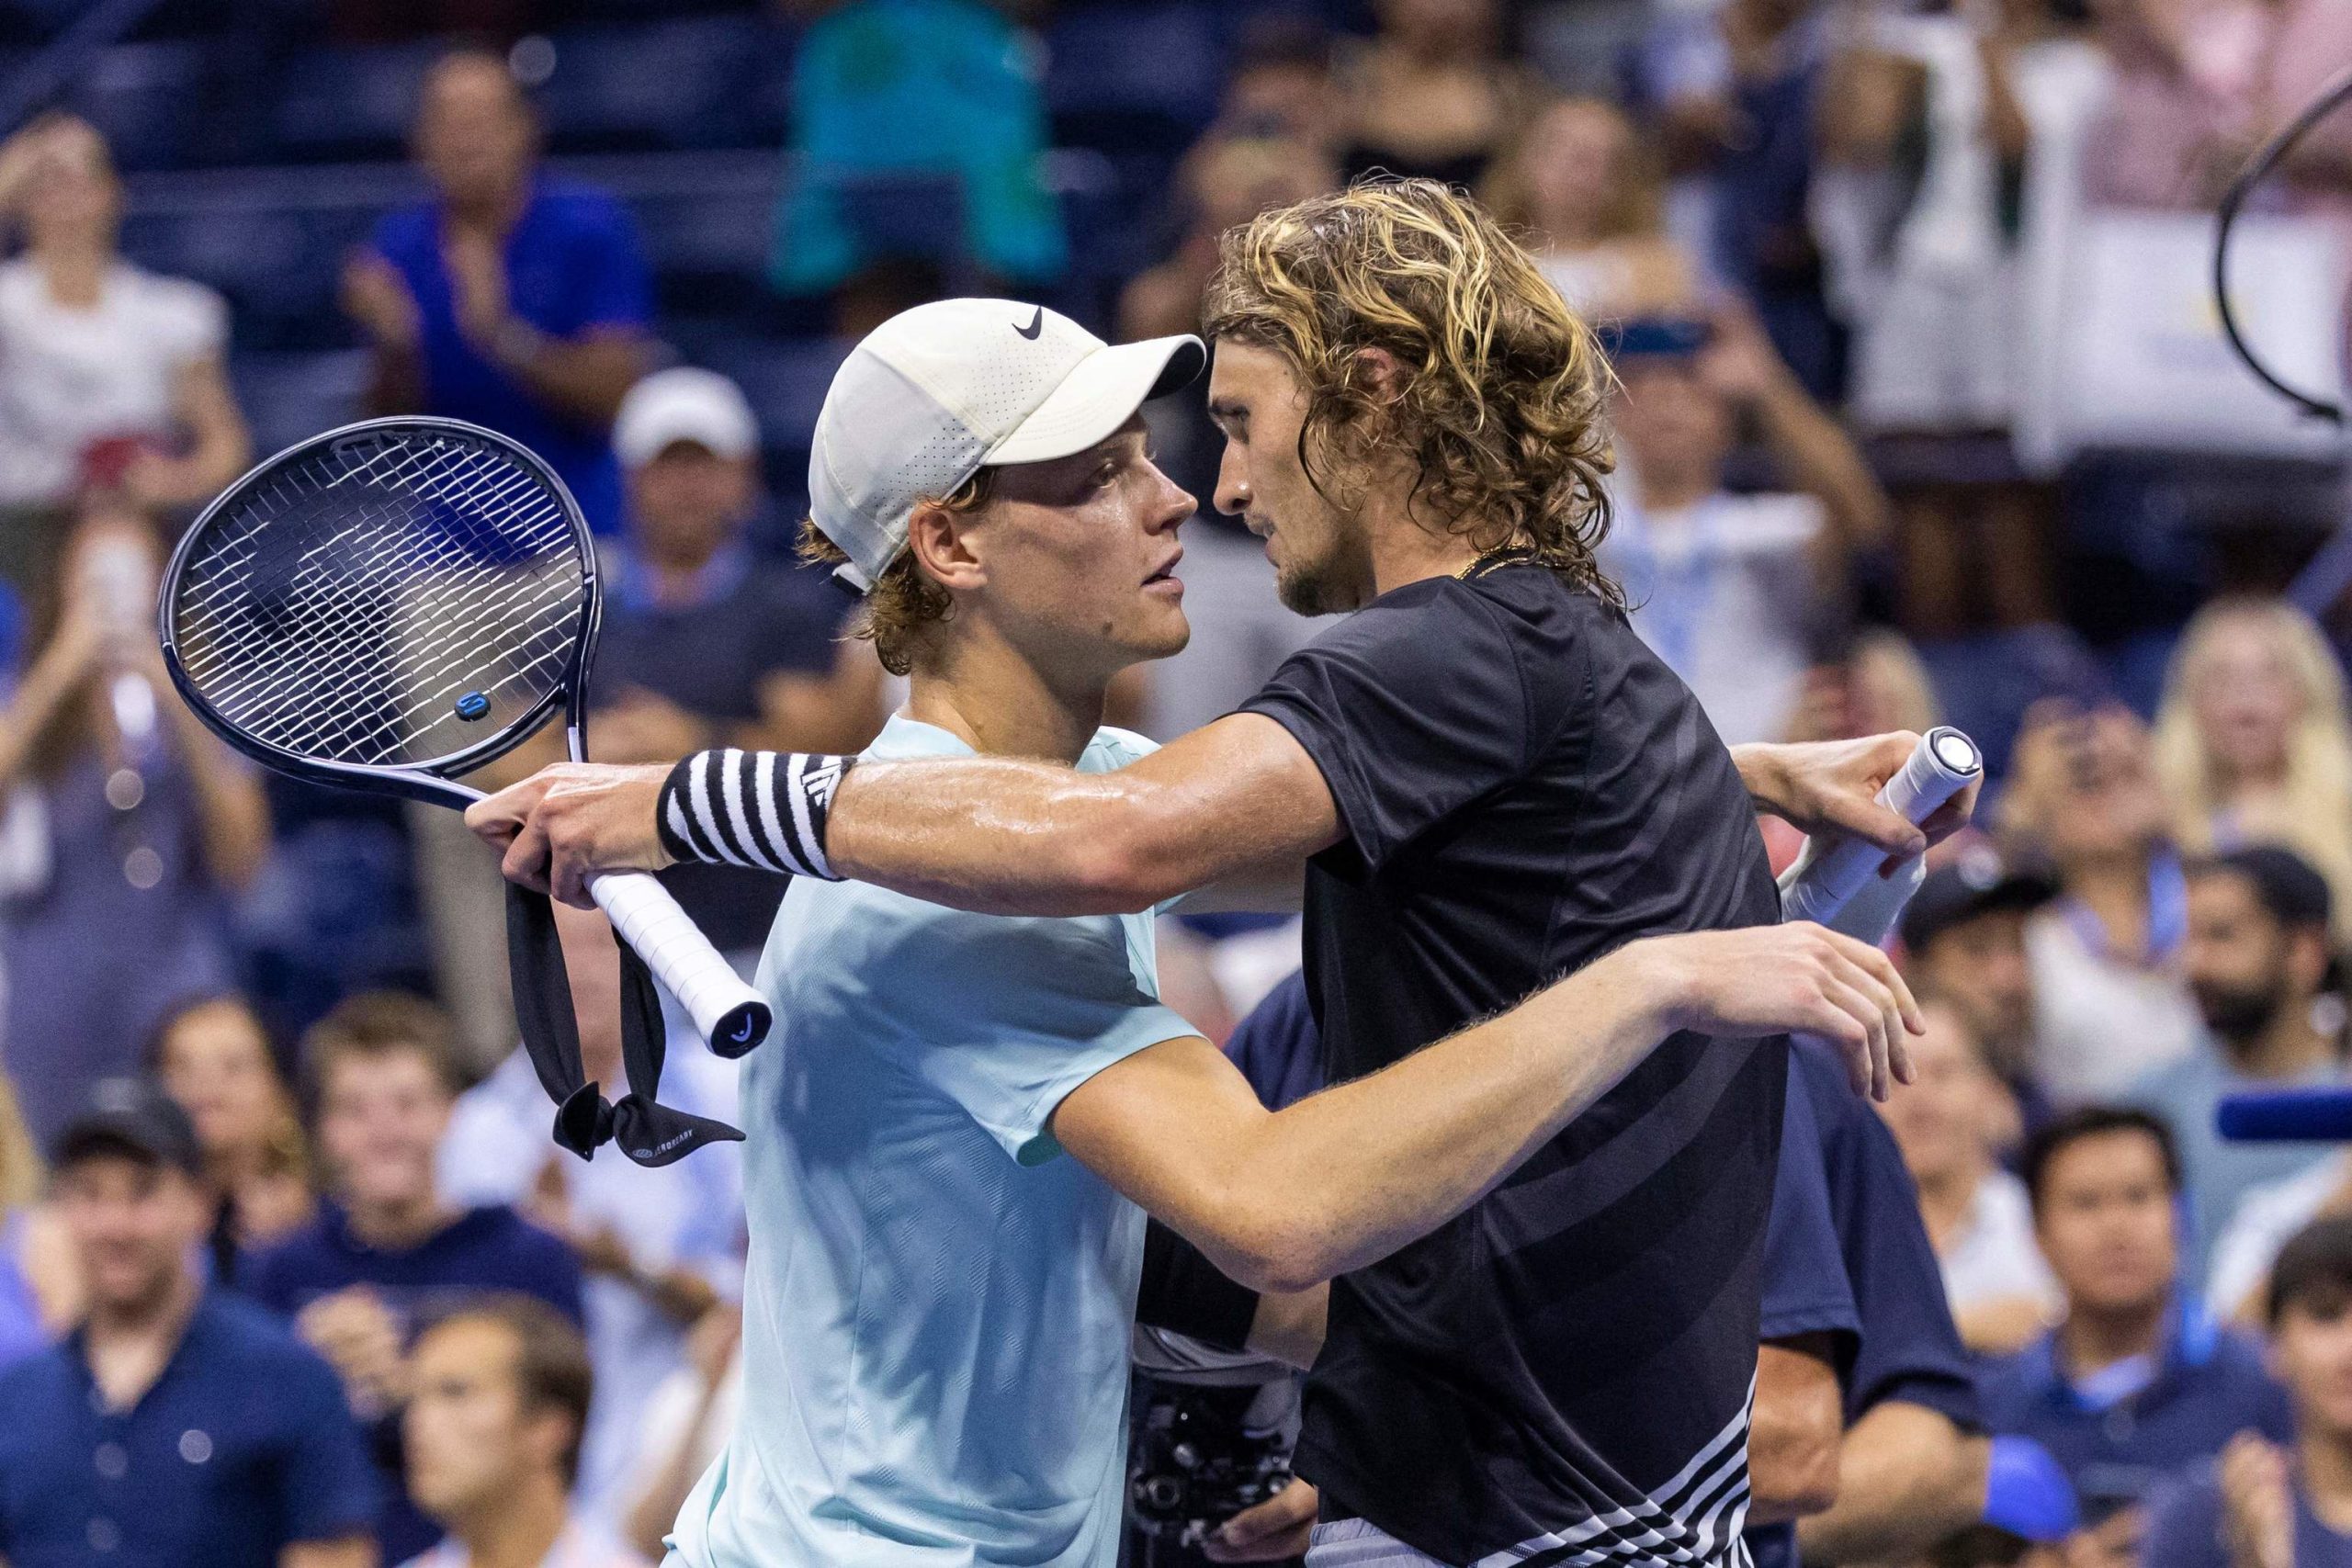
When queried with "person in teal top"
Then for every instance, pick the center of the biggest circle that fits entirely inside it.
(917, 86)
(955, 1136)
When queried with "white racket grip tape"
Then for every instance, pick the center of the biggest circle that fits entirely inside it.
(731, 1016)
(1832, 870)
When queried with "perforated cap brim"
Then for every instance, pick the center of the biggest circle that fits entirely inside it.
(1099, 395)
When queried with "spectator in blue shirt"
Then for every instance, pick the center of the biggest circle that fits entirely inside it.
(510, 298)
(2138, 1384)
(2263, 1505)
(1865, 1421)
(386, 1254)
(177, 1424)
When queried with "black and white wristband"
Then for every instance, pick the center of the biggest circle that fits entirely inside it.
(762, 809)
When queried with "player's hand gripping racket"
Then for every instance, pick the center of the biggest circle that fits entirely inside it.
(394, 604)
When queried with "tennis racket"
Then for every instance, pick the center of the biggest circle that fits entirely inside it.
(394, 604)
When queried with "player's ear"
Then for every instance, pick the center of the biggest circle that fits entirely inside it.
(1380, 373)
(939, 538)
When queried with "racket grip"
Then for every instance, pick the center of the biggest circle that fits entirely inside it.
(1830, 872)
(730, 1015)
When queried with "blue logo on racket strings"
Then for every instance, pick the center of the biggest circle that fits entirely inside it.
(472, 707)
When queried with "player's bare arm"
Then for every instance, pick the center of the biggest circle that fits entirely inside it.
(1283, 1200)
(1003, 836)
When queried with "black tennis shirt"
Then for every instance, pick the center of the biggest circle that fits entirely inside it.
(1560, 1373)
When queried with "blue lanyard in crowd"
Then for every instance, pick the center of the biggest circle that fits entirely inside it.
(2167, 913)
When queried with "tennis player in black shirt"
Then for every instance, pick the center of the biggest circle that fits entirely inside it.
(1494, 784)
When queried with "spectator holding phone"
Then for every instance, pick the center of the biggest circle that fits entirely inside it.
(1731, 590)
(143, 822)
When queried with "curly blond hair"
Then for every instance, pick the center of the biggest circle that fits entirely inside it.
(898, 615)
(1501, 408)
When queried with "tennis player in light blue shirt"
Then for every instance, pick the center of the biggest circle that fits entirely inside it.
(939, 1304)
(954, 1132)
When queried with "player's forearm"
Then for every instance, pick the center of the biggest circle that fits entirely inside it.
(1001, 837)
(1346, 1177)
(1906, 1478)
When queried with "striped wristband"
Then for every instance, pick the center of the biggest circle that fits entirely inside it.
(761, 809)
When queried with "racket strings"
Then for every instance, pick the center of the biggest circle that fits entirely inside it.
(342, 610)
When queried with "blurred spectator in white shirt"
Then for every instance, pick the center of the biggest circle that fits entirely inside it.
(1946, 1122)
(492, 1436)
(2252, 741)
(109, 374)
(1731, 590)
(1585, 190)
(661, 1246)
(2111, 1007)
(143, 824)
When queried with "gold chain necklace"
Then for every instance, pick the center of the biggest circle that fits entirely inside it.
(1470, 569)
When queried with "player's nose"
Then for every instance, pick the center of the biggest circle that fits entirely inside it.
(1173, 506)
(1232, 483)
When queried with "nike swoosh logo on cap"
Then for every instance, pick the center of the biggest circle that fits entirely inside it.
(1037, 324)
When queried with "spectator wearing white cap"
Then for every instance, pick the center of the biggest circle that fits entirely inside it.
(704, 644)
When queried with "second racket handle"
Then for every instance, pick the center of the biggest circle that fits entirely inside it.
(731, 1016)
(1828, 874)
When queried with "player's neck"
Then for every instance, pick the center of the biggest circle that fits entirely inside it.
(1404, 549)
(1001, 703)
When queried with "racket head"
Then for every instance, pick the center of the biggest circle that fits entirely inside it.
(386, 606)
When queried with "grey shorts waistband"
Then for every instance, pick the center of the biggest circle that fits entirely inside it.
(1360, 1543)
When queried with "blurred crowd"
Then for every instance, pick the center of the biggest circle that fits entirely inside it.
(262, 1123)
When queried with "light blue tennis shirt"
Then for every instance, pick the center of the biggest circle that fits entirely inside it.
(938, 1300)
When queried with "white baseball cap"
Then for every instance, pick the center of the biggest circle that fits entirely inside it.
(937, 393)
(684, 404)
